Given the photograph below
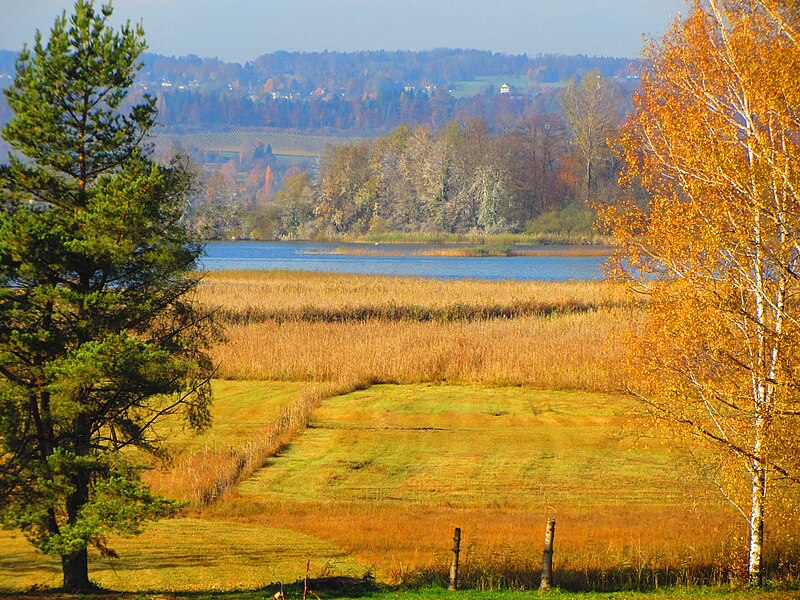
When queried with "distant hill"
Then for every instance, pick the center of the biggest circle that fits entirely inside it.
(353, 93)
(286, 74)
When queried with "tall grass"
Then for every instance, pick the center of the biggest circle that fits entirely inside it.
(335, 327)
(287, 292)
(603, 568)
(567, 352)
(595, 550)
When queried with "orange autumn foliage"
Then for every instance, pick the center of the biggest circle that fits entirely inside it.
(714, 140)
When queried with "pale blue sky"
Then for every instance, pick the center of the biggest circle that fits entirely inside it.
(240, 30)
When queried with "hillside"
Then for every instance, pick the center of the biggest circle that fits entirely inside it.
(368, 92)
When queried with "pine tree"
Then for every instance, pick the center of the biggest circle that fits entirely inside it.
(99, 337)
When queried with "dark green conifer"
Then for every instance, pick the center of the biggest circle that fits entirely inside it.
(99, 337)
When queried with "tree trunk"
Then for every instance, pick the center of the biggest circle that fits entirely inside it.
(75, 567)
(755, 558)
(588, 180)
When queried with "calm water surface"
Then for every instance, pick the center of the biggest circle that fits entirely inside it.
(306, 256)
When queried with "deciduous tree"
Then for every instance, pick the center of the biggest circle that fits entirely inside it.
(98, 336)
(714, 139)
(590, 108)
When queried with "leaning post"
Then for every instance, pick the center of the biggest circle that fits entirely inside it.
(547, 558)
(454, 563)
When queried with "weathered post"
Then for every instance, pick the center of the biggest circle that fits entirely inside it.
(547, 558)
(454, 564)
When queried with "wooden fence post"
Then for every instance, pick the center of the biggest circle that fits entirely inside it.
(547, 558)
(454, 564)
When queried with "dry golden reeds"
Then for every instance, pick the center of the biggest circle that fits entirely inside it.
(336, 327)
(294, 294)
(567, 352)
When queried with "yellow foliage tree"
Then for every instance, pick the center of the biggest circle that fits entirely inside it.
(715, 140)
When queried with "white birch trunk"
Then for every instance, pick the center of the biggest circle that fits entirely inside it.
(755, 564)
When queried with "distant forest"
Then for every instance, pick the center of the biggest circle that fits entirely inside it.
(454, 141)
(369, 92)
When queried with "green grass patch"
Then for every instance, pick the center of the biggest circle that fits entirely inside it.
(285, 143)
(478, 85)
(470, 447)
(241, 410)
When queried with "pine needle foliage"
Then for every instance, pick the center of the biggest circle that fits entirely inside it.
(98, 337)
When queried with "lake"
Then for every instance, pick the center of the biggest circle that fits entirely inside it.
(333, 257)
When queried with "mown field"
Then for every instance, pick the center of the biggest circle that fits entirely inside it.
(358, 420)
(284, 143)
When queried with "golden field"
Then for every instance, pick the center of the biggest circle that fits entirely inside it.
(560, 340)
(359, 419)
(287, 291)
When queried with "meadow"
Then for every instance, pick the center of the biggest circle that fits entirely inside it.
(233, 141)
(359, 419)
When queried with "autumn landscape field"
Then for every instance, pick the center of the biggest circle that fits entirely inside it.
(358, 443)
(569, 366)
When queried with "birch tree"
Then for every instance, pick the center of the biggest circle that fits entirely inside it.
(590, 108)
(714, 139)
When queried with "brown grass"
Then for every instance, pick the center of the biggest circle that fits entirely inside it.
(334, 327)
(604, 548)
(569, 352)
(295, 291)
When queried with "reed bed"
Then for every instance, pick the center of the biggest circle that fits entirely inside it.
(297, 326)
(467, 251)
(394, 312)
(294, 295)
(567, 352)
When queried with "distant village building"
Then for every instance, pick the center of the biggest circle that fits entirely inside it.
(505, 89)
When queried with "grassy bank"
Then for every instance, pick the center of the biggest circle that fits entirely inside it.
(501, 239)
